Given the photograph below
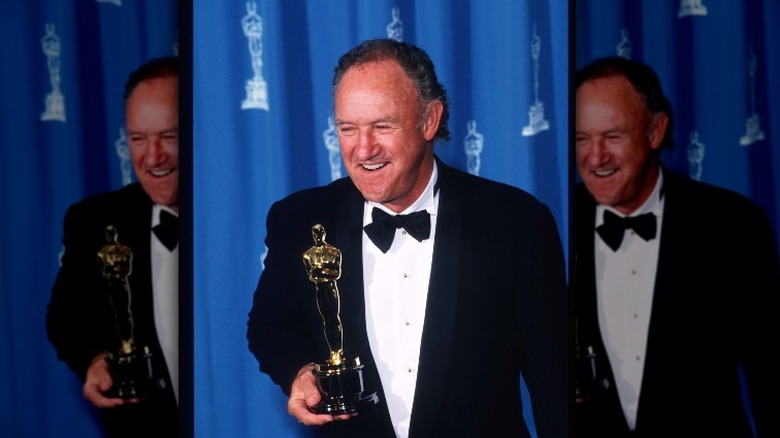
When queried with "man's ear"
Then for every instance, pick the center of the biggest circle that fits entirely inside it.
(431, 120)
(658, 125)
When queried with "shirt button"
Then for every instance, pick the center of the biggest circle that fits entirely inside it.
(406, 275)
(403, 231)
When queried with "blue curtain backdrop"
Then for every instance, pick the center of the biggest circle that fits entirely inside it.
(719, 63)
(64, 65)
(261, 125)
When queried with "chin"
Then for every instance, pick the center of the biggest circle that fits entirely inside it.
(377, 199)
(604, 199)
(167, 200)
(370, 194)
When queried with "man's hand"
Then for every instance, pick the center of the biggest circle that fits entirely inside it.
(98, 381)
(303, 395)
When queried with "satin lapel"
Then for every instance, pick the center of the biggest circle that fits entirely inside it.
(137, 218)
(441, 308)
(588, 331)
(587, 325)
(348, 237)
(668, 261)
(665, 292)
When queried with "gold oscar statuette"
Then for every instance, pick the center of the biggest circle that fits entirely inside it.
(339, 378)
(131, 370)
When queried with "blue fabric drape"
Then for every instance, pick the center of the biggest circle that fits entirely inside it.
(262, 104)
(61, 139)
(718, 62)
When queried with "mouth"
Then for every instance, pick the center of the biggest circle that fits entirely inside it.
(604, 173)
(161, 172)
(373, 167)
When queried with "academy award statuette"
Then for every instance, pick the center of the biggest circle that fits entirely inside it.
(131, 370)
(340, 378)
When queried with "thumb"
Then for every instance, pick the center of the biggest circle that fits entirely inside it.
(105, 382)
(312, 398)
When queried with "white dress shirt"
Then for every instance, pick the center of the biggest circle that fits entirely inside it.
(396, 289)
(165, 292)
(625, 280)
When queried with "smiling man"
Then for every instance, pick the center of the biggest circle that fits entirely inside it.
(675, 279)
(115, 299)
(445, 313)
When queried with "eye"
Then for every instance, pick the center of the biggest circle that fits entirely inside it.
(346, 130)
(383, 128)
(136, 139)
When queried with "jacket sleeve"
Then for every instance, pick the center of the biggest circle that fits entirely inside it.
(79, 320)
(278, 332)
(543, 312)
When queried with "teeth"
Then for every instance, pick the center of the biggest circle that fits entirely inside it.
(373, 166)
(604, 172)
(160, 172)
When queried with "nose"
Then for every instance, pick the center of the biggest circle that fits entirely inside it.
(155, 153)
(597, 153)
(366, 148)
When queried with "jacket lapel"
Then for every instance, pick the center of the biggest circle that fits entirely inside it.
(588, 333)
(437, 338)
(658, 337)
(349, 237)
(137, 217)
(585, 281)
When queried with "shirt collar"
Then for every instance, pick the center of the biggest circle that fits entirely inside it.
(424, 202)
(157, 208)
(653, 203)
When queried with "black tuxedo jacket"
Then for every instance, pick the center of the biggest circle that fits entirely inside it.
(496, 307)
(716, 281)
(80, 319)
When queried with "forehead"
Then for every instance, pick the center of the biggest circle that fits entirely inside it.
(612, 97)
(153, 101)
(384, 79)
(159, 88)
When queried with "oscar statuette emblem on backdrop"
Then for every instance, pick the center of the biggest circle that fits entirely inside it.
(131, 369)
(339, 378)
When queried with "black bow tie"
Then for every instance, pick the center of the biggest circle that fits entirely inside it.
(382, 229)
(611, 231)
(167, 230)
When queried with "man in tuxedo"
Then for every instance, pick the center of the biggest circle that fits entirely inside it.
(115, 299)
(445, 313)
(675, 279)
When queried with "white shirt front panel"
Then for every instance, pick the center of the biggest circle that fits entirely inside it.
(165, 292)
(396, 290)
(625, 280)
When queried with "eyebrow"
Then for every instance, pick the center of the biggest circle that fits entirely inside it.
(129, 132)
(338, 122)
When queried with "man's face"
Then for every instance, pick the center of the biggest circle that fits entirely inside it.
(152, 124)
(615, 142)
(386, 150)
